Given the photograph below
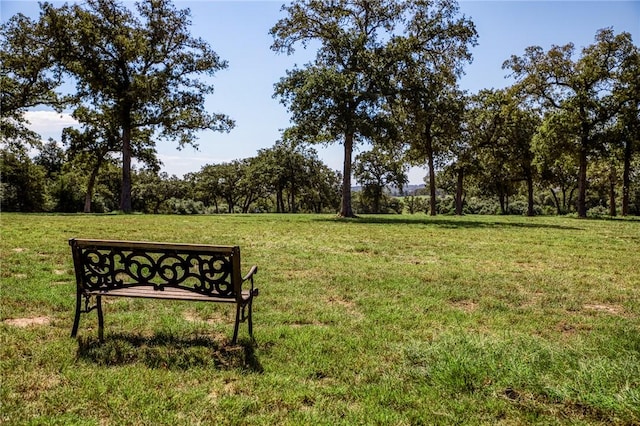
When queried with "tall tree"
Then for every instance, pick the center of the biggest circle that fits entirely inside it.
(501, 128)
(555, 147)
(520, 126)
(376, 169)
(286, 170)
(142, 66)
(464, 155)
(431, 56)
(580, 88)
(431, 126)
(338, 97)
(627, 90)
(363, 45)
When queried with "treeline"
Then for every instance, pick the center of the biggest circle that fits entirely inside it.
(279, 179)
(564, 138)
(282, 179)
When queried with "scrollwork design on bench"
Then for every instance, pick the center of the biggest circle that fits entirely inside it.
(107, 269)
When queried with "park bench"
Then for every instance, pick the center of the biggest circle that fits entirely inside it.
(199, 273)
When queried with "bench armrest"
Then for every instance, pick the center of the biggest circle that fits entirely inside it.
(252, 271)
(249, 277)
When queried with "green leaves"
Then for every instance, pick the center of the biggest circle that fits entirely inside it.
(28, 77)
(138, 71)
(582, 89)
(371, 54)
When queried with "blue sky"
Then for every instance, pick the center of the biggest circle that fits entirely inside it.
(238, 32)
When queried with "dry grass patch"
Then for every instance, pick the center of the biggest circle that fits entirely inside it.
(609, 309)
(26, 322)
(211, 318)
(467, 306)
(314, 323)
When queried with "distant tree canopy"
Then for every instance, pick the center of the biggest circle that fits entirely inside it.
(590, 91)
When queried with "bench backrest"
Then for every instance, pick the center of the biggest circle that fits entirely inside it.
(203, 269)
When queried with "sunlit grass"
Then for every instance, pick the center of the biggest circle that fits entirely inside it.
(377, 320)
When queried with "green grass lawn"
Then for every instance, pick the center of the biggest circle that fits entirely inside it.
(398, 320)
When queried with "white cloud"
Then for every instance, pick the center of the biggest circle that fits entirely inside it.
(49, 124)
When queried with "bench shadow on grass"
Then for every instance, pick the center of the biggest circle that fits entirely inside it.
(169, 351)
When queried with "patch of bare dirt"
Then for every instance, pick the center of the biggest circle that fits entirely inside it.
(26, 322)
(349, 305)
(465, 305)
(568, 328)
(341, 302)
(610, 309)
(191, 316)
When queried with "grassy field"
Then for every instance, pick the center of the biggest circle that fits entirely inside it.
(398, 320)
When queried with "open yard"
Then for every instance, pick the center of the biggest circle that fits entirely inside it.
(394, 320)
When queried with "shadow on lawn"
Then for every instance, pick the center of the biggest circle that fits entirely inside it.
(444, 222)
(169, 351)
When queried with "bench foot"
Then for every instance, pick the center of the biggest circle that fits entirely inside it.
(250, 320)
(237, 325)
(87, 309)
(242, 316)
(76, 320)
(100, 319)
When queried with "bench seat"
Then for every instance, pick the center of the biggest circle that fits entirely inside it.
(151, 292)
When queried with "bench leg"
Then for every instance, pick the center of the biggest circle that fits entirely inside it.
(100, 319)
(250, 319)
(237, 325)
(76, 320)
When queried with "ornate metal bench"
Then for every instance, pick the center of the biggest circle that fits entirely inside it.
(200, 273)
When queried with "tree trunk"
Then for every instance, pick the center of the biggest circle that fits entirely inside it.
(91, 184)
(294, 208)
(626, 178)
(501, 199)
(432, 174)
(89, 195)
(570, 202)
(530, 211)
(582, 180)
(432, 188)
(345, 207)
(459, 192)
(125, 195)
(377, 194)
(612, 191)
(556, 201)
(279, 200)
